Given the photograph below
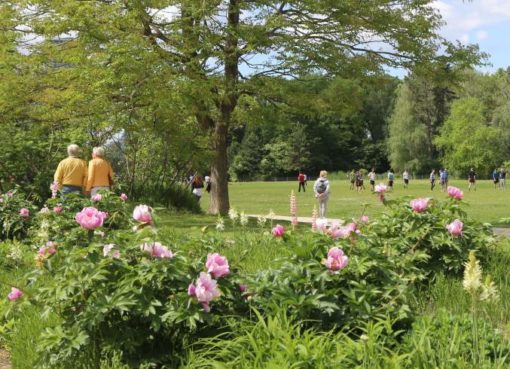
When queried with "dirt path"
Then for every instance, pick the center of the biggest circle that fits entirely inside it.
(4, 360)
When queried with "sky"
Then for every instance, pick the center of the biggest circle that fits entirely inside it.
(484, 22)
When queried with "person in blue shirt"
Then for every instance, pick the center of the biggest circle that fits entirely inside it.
(495, 178)
(391, 178)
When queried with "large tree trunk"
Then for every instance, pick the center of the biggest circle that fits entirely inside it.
(219, 171)
(219, 168)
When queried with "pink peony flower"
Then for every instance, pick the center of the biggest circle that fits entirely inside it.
(97, 197)
(380, 188)
(336, 259)
(24, 212)
(321, 224)
(217, 265)
(143, 214)
(455, 228)
(455, 193)
(364, 219)
(157, 250)
(243, 288)
(48, 249)
(10, 194)
(278, 231)
(123, 197)
(44, 210)
(110, 250)
(205, 290)
(419, 205)
(90, 218)
(15, 294)
(58, 209)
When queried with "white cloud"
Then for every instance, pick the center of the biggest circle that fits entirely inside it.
(482, 35)
(470, 18)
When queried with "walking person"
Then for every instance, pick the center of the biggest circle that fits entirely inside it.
(321, 190)
(71, 173)
(495, 178)
(301, 180)
(405, 177)
(371, 178)
(197, 184)
(502, 178)
(391, 178)
(359, 181)
(472, 179)
(432, 179)
(100, 173)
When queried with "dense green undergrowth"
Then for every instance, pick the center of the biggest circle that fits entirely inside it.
(122, 295)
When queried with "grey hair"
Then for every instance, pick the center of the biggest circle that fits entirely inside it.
(98, 151)
(73, 150)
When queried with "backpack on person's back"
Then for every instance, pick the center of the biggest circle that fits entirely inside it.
(321, 187)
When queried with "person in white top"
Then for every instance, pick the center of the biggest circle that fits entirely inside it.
(371, 177)
(405, 177)
(321, 190)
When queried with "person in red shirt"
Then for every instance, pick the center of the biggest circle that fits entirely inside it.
(302, 181)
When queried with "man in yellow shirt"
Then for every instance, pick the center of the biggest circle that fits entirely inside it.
(100, 175)
(71, 173)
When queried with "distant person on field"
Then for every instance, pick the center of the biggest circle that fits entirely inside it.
(100, 175)
(495, 178)
(391, 179)
(359, 181)
(207, 181)
(441, 178)
(405, 177)
(71, 173)
(472, 179)
(196, 187)
(446, 176)
(302, 181)
(321, 190)
(371, 177)
(352, 179)
(502, 178)
(432, 178)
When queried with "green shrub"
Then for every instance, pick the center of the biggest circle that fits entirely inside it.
(12, 224)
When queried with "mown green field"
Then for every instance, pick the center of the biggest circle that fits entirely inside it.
(485, 204)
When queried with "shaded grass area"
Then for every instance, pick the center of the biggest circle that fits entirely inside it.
(485, 204)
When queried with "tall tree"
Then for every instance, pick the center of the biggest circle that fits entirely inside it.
(468, 141)
(213, 52)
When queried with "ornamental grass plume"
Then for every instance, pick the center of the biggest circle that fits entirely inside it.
(419, 205)
(90, 218)
(233, 215)
(220, 224)
(54, 190)
(455, 193)
(217, 265)
(243, 219)
(293, 209)
(472, 281)
(205, 290)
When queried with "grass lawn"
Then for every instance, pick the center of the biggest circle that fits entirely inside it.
(485, 204)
